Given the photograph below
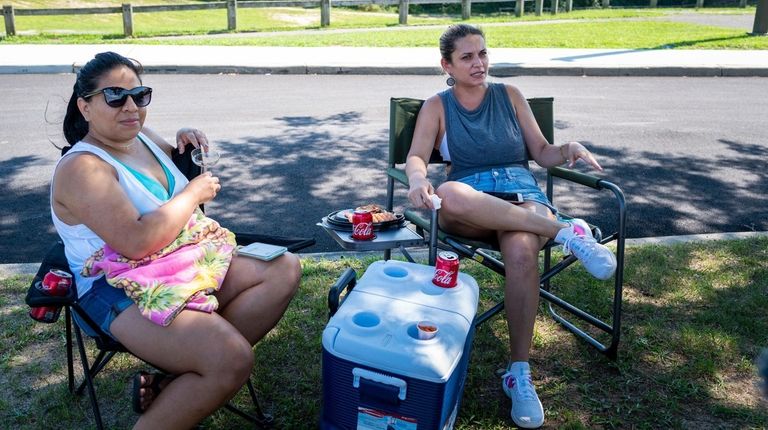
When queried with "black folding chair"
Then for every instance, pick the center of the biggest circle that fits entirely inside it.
(403, 115)
(106, 346)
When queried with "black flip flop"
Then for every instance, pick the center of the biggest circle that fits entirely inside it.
(153, 387)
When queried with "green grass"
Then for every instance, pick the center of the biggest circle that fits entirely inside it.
(694, 322)
(594, 28)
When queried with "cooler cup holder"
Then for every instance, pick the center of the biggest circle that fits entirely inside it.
(366, 319)
(413, 333)
(395, 272)
(431, 289)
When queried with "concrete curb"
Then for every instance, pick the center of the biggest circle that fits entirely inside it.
(193, 59)
(20, 269)
(496, 71)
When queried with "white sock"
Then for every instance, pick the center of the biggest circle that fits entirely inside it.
(519, 367)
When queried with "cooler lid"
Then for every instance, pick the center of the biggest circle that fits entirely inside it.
(412, 282)
(381, 332)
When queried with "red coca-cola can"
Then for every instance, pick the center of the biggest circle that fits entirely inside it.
(446, 269)
(362, 225)
(55, 283)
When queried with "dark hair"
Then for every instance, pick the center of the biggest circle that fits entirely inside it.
(454, 33)
(75, 126)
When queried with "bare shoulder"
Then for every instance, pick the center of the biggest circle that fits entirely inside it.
(432, 107)
(82, 169)
(514, 93)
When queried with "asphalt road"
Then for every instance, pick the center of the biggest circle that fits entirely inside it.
(690, 153)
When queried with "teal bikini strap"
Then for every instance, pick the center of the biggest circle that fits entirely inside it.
(151, 184)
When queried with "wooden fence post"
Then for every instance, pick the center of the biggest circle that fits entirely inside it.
(231, 15)
(519, 8)
(538, 7)
(402, 9)
(466, 9)
(760, 26)
(654, 3)
(325, 13)
(127, 20)
(699, 4)
(10, 25)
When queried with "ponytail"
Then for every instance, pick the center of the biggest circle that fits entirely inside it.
(75, 125)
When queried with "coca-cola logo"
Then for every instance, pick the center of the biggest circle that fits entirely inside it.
(362, 229)
(443, 277)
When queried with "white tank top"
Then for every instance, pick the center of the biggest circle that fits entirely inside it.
(80, 242)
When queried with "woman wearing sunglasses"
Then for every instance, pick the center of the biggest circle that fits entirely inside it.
(116, 188)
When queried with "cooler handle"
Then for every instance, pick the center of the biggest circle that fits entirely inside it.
(380, 378)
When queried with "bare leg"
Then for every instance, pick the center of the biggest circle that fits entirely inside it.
(520, 251)
(469, 212)
(256, 293)
(210, 353)
(211, 359)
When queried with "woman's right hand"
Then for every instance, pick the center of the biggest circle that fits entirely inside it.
(204, 187)
(419, 193)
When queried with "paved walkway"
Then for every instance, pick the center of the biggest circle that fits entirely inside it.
(340, 60)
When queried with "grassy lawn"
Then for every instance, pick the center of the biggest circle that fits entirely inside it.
(694, 322)
(594, 28)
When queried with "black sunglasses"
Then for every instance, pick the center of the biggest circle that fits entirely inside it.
(116, 96)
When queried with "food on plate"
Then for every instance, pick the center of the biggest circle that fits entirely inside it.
(379, 214)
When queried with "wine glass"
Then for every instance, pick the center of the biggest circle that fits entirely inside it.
(205, 158)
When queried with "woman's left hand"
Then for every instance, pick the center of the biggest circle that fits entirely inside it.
(190, 136)
(575, 151)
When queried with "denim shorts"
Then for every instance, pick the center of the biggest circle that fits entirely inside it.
(103, 303)
(509, 180)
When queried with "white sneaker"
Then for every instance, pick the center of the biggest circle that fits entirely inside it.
(596, 258)
(527, 411)
(576, 227)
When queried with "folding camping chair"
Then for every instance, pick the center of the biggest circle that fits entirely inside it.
(106, 346)
(403, 114)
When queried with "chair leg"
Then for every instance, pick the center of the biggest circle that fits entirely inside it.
(99, 362)
(70, 359)
(259, 417)
(88, 380)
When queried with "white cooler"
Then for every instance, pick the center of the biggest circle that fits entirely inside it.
(377, 373)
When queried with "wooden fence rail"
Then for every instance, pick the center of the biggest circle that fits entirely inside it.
(127, 10)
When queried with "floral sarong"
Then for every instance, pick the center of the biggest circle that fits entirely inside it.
(182, 275)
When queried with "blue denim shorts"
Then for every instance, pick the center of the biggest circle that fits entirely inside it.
(103, 303)
(509, 180)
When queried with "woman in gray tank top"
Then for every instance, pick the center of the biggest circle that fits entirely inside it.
(488, 130)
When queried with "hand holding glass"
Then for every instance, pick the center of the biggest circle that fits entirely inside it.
(205, 159)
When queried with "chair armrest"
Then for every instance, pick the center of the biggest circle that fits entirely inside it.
(398, 175)
(574, 176)
(36, 298)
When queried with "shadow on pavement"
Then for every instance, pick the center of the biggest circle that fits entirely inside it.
(283, 183)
